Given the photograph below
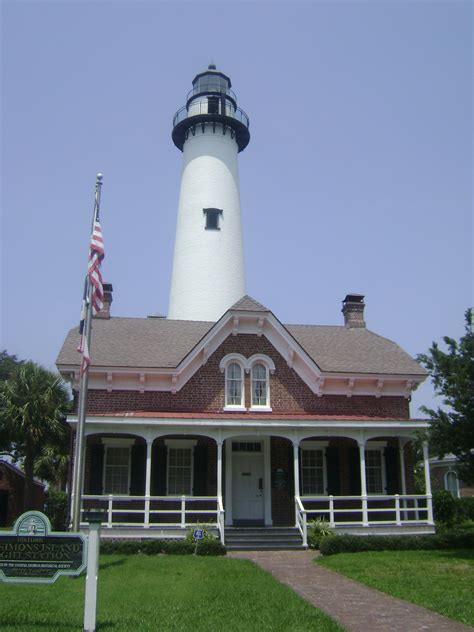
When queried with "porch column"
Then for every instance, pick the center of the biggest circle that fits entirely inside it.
(219, 468)
(149, 445)
(401, 452)
(429, 497)
(363, 484)
(296, 469)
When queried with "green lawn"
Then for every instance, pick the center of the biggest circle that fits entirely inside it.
(139, 593)
(440, 580)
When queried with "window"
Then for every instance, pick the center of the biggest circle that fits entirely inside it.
(234, 389)
(312, 472)
(451, 483)
(213, 105)
(246, 446)
(179, 471)
(117, 470)
(212, 218)
(374, 471)
(259, 385)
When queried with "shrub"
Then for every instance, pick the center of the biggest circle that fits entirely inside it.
(317, 530)
(157, 547)
(207, 535)
(465, 508)
(444, 506)
(56, 508)
(448, 539)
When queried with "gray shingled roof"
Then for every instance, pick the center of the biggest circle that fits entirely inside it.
(249, 304)
(163, 343)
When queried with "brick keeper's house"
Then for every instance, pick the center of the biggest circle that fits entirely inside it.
(222, 414)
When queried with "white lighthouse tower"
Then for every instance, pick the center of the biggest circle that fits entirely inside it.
(208, 266)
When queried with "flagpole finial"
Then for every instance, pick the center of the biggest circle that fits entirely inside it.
(99, 177)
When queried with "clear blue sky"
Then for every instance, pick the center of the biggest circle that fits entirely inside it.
(358, 176)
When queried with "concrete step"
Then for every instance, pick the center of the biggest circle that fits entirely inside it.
(262, 538)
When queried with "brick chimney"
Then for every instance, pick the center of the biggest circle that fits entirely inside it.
(105, 311)
(353, 309)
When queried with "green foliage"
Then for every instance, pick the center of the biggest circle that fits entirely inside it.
(8, 364)
(452, 539)
(157, 547)
(452, 373)
(207, 535)
(33, 406)
(56, 508)
(444, 507)
(465, 509)
(317, 530)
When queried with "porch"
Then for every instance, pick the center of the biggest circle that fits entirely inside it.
(160, 483)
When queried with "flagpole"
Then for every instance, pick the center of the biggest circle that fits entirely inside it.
(78, 476)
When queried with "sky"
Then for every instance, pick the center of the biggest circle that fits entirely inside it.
(357, 178)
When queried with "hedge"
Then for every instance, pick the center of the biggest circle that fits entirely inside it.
(156, 547)
(454, 539)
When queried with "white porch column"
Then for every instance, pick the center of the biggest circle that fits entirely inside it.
(228, 483)
(363, 484)
(401, 452)
(219, 468)
(296, 469)
(429, 497)
(149, 445)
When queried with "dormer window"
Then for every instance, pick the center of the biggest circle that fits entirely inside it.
(212, 216)
(259, 385)
(234, 388)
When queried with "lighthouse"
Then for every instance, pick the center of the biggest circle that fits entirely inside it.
(208, 273)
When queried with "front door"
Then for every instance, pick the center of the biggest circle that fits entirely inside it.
(247, 486)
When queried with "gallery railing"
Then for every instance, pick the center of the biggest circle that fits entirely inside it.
(406, 509)
(182, 512)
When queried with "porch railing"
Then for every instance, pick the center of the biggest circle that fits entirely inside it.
(173, 512)
(366, 511)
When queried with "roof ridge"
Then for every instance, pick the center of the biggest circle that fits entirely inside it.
(248, 303)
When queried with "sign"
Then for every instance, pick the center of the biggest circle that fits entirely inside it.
(198, 534)
(30, 553)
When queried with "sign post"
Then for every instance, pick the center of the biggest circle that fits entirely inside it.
(94, 518)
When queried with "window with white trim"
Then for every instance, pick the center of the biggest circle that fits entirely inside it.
(117, 470)
(259, 385)
(312, 472)
(234, 390)
(179, 466)
(374, 471)
(451, 483)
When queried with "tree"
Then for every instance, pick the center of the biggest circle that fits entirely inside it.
(452, 373)
(33, 405)
(8, 364)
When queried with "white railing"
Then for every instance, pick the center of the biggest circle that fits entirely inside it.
(149, 509)
(406, 509)
(301, 520)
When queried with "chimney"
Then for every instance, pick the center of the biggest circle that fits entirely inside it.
(353, 309)
(105, 311)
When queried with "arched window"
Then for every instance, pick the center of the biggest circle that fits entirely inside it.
(234, 390)
(259, 385)
(452, 483)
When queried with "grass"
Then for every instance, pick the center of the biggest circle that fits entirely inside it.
(164, 593)
(442, 581)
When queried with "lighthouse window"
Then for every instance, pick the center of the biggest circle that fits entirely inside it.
(212, 218)
(213, 105)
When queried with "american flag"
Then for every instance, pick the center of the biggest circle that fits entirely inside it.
(94, 277)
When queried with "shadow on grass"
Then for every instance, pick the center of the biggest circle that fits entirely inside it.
(102, 625)
(119, 562)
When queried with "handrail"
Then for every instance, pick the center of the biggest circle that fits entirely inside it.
(301, 520)
(197, 108)
(220, 519)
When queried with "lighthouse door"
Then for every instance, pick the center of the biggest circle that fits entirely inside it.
(247, 486)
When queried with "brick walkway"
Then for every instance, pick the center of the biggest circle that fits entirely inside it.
(356, 607)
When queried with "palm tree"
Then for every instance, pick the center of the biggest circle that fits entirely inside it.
(33, 405)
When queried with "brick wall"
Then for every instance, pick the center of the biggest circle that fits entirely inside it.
(204, 392)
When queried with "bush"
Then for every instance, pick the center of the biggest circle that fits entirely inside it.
(317, 530)
(465, 509)
(157, 547)
(444, 507)
(449, 539)
(56, 508)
